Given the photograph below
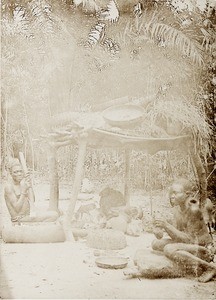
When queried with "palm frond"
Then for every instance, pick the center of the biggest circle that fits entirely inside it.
(19, 24)
(95, 35)
(40, 12)
(209, 39)
(78, 2)
(122, 36)
(174, 38)
(20, 21)
(89, 5)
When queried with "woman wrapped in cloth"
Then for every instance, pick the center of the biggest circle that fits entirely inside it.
(19, 197)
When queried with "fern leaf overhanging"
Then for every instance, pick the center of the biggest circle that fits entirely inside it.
(111, 13)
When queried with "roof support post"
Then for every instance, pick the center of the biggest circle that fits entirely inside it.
(54, 180)
(76, 187)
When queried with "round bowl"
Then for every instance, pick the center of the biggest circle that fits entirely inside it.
(123, 115)
(107, 262)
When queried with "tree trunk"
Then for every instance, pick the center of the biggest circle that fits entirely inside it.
(127, 176)
(3, 135)
(201, 176)
(29, 134)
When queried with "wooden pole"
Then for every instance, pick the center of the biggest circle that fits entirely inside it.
(23, 162)
(127, 176)
(54, 180)
(30, 191)
(76, 188)
(150, 182)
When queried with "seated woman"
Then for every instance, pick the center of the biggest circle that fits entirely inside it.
(19, 197)
(189, 243)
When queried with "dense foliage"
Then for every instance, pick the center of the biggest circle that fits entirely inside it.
(165, 51)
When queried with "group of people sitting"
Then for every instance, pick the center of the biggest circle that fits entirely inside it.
(188, 241)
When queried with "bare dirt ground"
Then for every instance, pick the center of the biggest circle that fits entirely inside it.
(68, 270)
